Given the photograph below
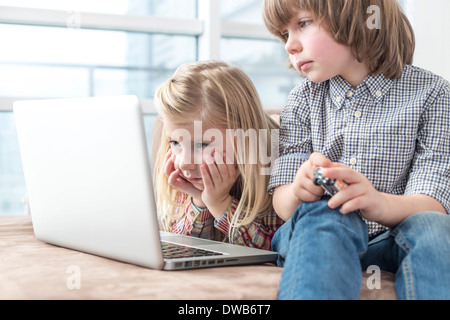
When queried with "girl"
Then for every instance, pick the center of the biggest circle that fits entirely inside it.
(204, 190)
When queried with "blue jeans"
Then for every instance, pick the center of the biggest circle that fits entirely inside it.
(323, 252)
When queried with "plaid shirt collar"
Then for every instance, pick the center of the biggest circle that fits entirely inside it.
(376, 86)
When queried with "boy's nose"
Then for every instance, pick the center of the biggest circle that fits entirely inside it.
(293, 46)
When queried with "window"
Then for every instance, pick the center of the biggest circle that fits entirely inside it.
(55, 49)
(80, 63)
(266, 63)
(166, 8)
(263, 58)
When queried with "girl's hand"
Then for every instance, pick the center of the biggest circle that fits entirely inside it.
(359, 195)
(218, 178)
(177, 181)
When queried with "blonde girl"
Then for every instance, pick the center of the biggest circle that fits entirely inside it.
(203, 190)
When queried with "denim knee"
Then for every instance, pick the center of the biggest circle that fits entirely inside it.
(318, 217)
(424, 252)
(333, 220)
(427, 229)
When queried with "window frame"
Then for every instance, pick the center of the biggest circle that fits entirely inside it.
(208, 28)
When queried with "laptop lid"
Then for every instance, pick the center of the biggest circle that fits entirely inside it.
(88, 178)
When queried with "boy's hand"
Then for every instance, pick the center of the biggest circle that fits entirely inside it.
(303, 186)
(359, 195)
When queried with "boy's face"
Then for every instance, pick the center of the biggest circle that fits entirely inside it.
(315, 54)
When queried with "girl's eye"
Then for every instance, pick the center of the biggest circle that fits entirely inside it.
(201, 145)
(174, 143)
(285, 37)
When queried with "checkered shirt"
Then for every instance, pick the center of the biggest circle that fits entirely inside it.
(395, 132)
(200, 223)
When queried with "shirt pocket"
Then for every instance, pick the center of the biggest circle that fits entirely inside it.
(390, 161)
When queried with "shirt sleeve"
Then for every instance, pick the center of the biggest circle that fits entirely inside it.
(430, 172)
(200, 223)
(195, 222)
(295, 138)
(257, 234)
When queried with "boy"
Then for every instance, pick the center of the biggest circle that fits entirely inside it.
(377, 123)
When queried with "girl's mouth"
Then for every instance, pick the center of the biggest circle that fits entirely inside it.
(193, 179)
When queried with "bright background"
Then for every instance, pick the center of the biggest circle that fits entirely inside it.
(81, 48)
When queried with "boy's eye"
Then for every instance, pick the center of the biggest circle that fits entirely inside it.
(300, 25)
(304, 23)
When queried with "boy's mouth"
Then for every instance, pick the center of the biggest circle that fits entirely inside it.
(303, 65)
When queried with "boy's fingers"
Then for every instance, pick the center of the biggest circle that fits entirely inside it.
(319, 160)
(342, 173)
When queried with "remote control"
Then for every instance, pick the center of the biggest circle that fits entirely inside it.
(332, 186)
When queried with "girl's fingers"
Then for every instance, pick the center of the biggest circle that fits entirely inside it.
(169, 165)
(207, 180)
(215, 174)
(222, 167)
(168, 155)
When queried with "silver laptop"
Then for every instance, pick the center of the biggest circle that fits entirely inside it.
(89, 184)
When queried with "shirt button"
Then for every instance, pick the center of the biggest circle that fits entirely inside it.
(349, 94)
(358, 114)
(378, 94)
(353, 161)
(338, 99)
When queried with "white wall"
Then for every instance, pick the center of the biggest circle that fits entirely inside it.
(431, 22)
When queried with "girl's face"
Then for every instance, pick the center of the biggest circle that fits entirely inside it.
(193, 144)
(314, 53)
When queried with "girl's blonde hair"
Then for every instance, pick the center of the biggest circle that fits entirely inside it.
(386, 49)
(221, 96)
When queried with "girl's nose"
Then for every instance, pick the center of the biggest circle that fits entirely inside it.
(186, 162)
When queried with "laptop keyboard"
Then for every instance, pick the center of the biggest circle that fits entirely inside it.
(172, 251)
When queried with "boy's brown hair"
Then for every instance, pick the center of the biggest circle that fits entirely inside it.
(385, 50)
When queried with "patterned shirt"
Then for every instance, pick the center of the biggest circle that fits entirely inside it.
(200, 223)
(395, 132)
